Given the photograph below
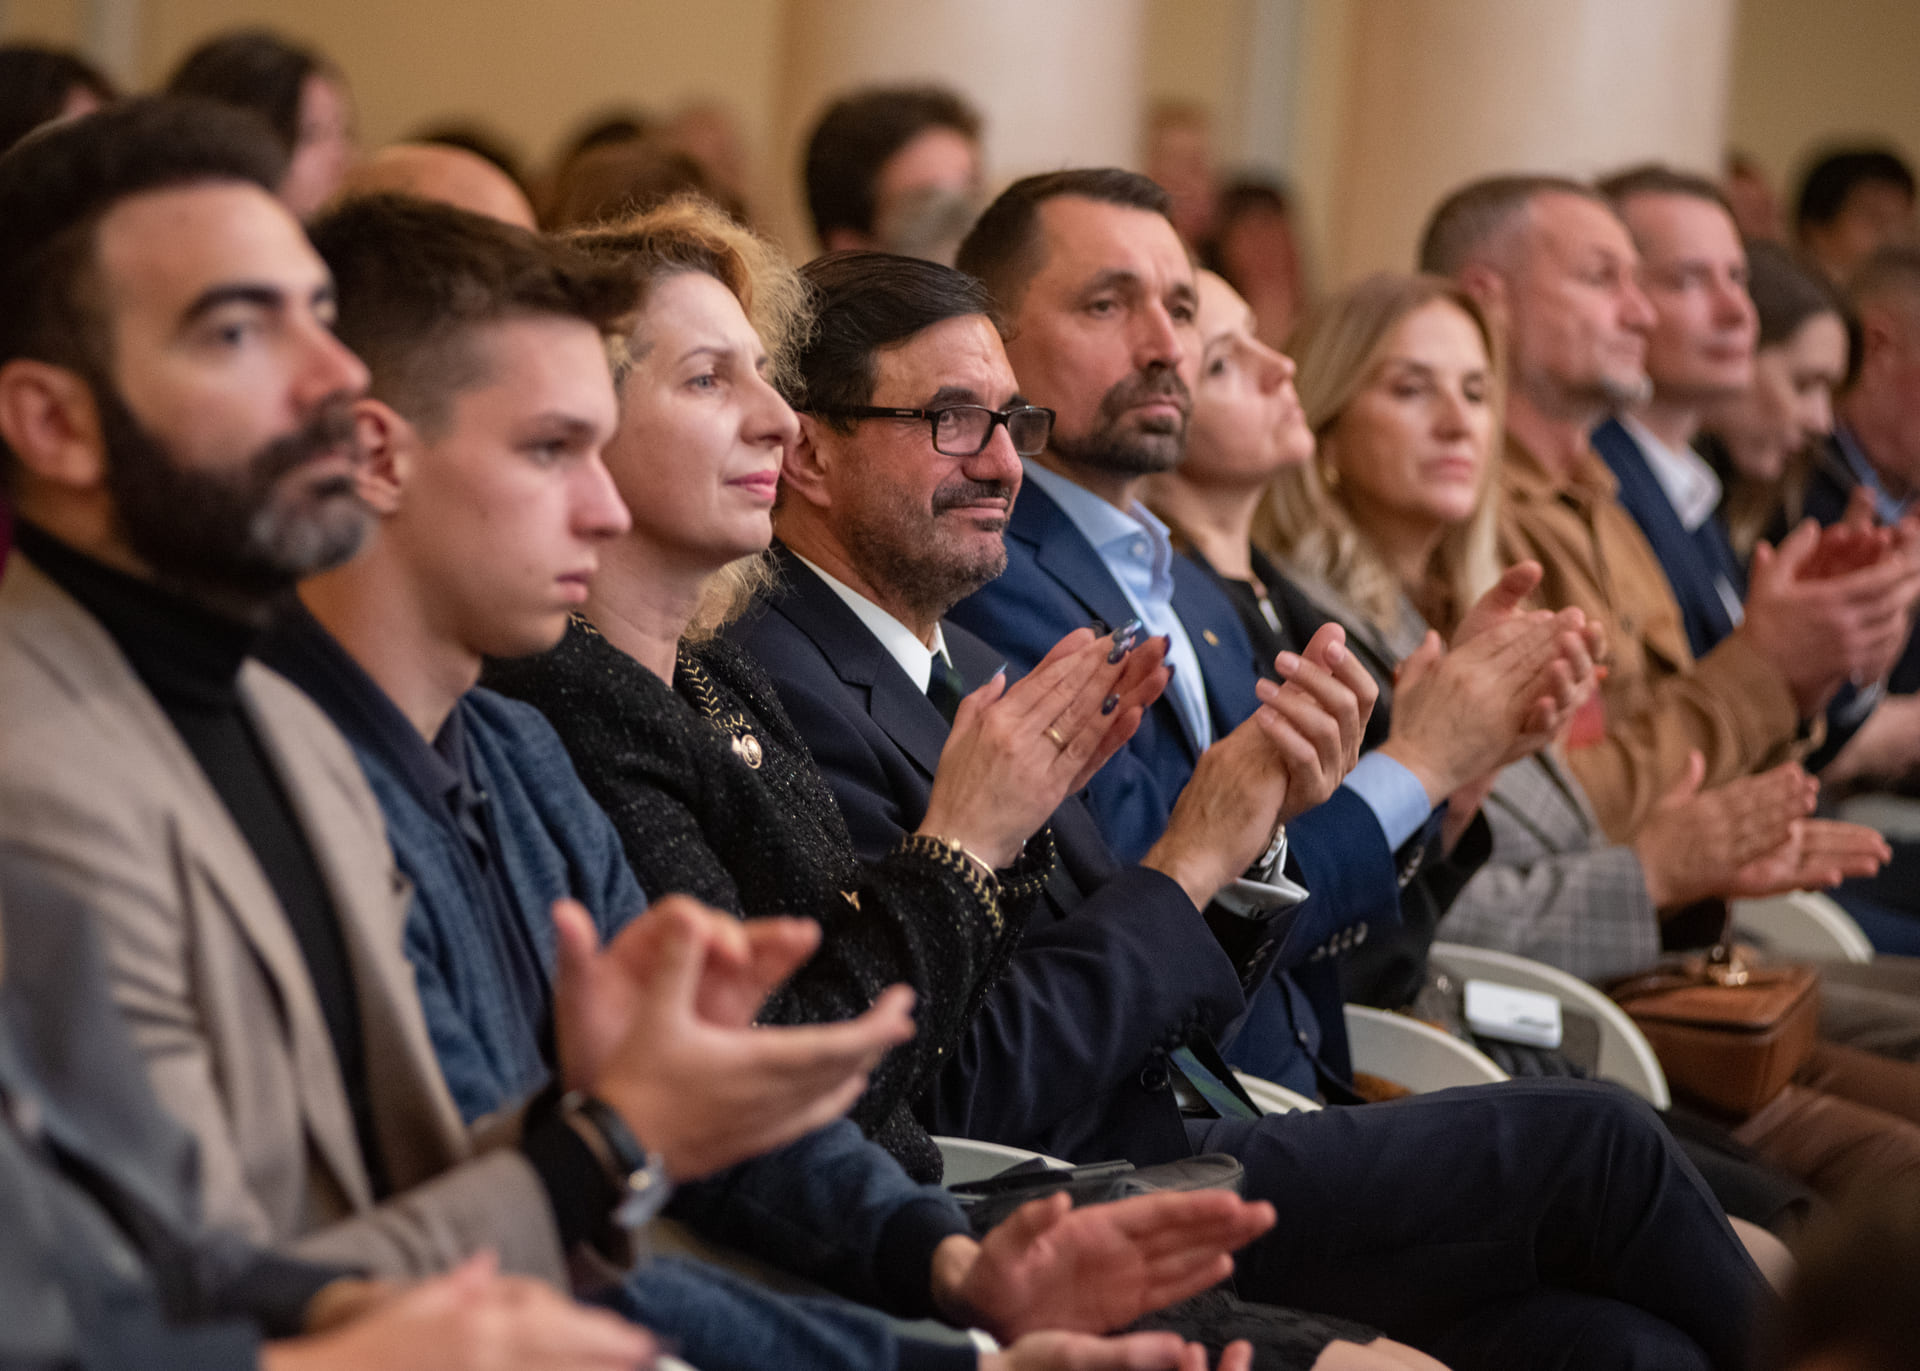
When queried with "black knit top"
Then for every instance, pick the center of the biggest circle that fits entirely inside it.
(714, 794)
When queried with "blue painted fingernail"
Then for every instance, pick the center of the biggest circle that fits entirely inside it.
(1129, 628)
(1111, 703)
(1000, 670)
(1120, 649)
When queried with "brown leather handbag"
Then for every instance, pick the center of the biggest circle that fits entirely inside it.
(1728, 1035)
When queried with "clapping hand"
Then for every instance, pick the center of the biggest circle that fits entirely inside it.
(1511, 681)
(471, 1319)
(1015, 752)
(658, 1025)
(1327, 699)
(1818, 855)
(1289, 756)
(1696, 841)
(1822, 620)
(1096, 1268)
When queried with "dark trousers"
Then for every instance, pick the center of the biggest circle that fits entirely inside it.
(1530, 1225)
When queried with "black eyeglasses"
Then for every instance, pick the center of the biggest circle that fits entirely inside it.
(963, 430)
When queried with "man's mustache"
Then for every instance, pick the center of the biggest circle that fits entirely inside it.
(966, 491)
(1161, 383)
(327, 430)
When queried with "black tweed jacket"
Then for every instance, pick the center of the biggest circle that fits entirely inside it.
(714, 794)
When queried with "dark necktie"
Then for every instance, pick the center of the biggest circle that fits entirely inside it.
(944, 687)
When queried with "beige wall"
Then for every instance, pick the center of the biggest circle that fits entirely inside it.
(46, 21)
(1802, 69)
(531, 68)
(1196, 52)
(1808, 70)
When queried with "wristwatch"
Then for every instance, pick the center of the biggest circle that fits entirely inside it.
(1264, 888)
(1274, 860)
(641, 1177)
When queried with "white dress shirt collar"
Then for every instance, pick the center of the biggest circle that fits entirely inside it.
(1692, 487)
(914, 656)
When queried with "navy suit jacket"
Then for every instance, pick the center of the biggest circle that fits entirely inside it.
(1054, 582)
(1067, 1054)
(1694, 561)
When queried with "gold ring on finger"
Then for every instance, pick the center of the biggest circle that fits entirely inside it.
(1053, 736)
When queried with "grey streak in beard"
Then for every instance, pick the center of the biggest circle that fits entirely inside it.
(900, 553)
(1622, 396)
(228, 532)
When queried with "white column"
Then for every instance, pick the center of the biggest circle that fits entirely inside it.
(1428, 94)
(1058, 81)
(113, 39)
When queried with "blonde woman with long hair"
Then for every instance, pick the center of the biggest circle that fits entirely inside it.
(1400, 383)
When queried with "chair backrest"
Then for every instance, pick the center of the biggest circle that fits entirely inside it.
(1414, 1054)
(1804, 925)
(969, 1159)
(1272, 1098)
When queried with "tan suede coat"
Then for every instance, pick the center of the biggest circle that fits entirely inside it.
(1660, 703)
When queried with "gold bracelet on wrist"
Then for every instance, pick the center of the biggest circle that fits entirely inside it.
(973, 869)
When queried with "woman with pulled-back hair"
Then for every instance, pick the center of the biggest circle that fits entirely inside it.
(296, 91)
(1761, 440)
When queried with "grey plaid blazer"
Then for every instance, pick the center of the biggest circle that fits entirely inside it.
(1555, 889)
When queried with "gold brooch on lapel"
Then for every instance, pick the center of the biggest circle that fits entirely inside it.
(747, 748)
(1212, 638)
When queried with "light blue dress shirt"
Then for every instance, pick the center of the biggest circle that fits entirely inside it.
(1134, 547)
